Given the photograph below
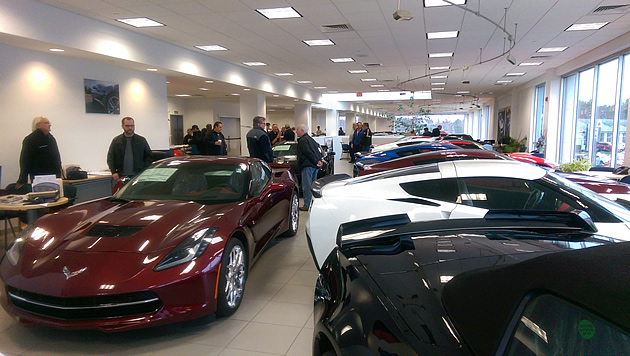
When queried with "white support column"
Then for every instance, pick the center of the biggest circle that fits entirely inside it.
(302, 114)
(251, 105)
(332, 123)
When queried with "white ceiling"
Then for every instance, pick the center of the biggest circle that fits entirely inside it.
(394, 52)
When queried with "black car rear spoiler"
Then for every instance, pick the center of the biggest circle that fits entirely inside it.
(316, 186)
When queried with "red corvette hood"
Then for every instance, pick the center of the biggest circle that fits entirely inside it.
(141, 227)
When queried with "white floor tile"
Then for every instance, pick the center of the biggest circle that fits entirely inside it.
(304, 278)
(293, 293)
(280, 313)
(303, 344)
(248, 309)
(269, 338)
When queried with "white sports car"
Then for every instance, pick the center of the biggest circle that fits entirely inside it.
(449, 190)
(405, 141)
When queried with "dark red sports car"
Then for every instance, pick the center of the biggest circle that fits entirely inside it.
(175, 243)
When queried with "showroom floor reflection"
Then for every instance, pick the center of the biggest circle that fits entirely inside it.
(275, 318)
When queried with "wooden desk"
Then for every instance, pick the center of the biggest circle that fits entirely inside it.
(30, 209)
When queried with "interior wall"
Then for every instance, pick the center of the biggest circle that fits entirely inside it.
(36, 83)
(281, 118)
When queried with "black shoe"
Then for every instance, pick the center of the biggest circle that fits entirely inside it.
(303, 208)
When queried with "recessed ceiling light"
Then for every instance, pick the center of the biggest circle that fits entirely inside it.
(279, 13)
(440, 35)
(167, 82)
(304, 81)
(439, 68)
(152, 69)
(204, 89)
(433, 3)
(319, 87)
(235, 94)
(439, 76)
(514, 74)
(275, 95)
(463, 92)
(333, 91)
(210, 81)
(504, 81)
(140, 22)
(376, 85)
(586, 26)
(552, 49)
(441, 83)
(437, 88)
(342, 60)
(357, 71)
(368, 79)
(296, 99)
(383, 90)
(57, 50)
(283, 74)
(441, 55)
(209, 48)
(182, 95)
(319, 42)
(246, 89)
(254, 64)
(529, 64)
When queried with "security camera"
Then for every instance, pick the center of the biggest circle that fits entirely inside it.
(511, 59)
(400, 15)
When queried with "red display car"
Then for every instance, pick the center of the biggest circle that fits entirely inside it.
(173, 244)
(530, 158)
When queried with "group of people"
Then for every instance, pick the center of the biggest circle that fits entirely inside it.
(360, 139)
(128, 153)
(259, 144)
(208, 141)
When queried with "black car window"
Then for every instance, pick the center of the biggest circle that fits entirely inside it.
(553, 326)
(284, 150)
(439, 189)
(261, 174)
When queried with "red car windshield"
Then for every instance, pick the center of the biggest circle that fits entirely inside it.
(205, 183)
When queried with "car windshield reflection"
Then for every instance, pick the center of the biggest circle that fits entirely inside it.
(205, 183)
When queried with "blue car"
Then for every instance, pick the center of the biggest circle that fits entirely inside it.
(364, 159)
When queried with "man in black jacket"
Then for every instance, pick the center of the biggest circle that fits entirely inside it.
(258, 143)
(215, 141)
(40, 154)
(129, 153)
(309, 161)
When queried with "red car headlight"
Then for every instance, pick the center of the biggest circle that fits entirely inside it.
(189, 249)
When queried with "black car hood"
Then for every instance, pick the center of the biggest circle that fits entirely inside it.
(413, 279)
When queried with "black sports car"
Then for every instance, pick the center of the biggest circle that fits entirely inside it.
(286, 153)
(515, 283)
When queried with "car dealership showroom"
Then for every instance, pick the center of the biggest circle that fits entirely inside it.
(315, 177)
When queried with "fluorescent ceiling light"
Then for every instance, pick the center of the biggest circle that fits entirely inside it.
(552, 49)
(279, 13)
(342, 60)
(443, 34)
(382, 90)
(209, 48)
(437, 88)
(140, 22)
(204, 89)
(357, 71)
(504, 81)
(304, 81)
(275, 95)
(586, 26)
(319, 42)
(283, 74)
(368, 79)
(182, 95)
(235, 94)
(514, 74)
(530, 64)
(319, 87)
(254, 64)
(152, 69)
(433, 3)
(439, 68)
(376, 85)
(439, 76)
(57, 50)
(246, 89)
(438, 83)
(210, 81)
(440, 55)
(463, 92)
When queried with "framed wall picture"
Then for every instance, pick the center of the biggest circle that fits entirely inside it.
(101, 97)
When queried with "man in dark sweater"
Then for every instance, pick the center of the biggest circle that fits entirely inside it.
(129, 153)
(215, 141)
(40, 154)
(309, 161)
(258, 143)
(289, 135)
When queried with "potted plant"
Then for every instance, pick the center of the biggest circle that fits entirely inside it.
(512, 144)
(578, 165)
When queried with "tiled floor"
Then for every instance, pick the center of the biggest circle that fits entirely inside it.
(275, 318)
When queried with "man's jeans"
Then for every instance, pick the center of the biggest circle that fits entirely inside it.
(309, 175)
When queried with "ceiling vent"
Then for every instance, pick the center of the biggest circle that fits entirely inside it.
(337, 28)
(372, 65)
(611, 9)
